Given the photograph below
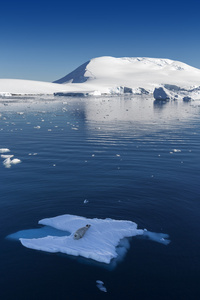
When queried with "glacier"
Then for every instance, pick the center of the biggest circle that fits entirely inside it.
(104, 241)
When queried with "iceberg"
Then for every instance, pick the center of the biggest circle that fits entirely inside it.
(103, 241)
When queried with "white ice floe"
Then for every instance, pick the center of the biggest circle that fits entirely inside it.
(103, 241)
(4, 150)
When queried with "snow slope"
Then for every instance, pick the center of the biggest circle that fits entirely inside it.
(9, 87)
(110, 75)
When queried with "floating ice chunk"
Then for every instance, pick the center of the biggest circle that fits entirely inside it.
(161, 94)
(6, 156)
(100, 285)
(37, 127)
(99, 282)
(95, 93)
(4, 150)
(8, 162)
(176, 150)
(85, 201)
(102, 288)
(106, 239)
(15, 161)
(99, 244)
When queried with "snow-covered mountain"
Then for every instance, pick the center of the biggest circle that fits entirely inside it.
(110, 75)
(134, 72)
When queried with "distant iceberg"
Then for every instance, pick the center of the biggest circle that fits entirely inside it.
(102, 242)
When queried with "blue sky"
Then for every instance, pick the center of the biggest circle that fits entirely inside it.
(45, 40)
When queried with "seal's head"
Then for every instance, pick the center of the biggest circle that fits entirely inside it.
(87, 226)
(76, 236)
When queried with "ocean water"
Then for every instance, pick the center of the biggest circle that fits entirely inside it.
(131, 159)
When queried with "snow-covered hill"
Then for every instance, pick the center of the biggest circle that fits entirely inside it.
(109, 75)
(9, 87)
(135, 75)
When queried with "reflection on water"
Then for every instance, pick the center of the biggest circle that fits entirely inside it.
(133, 109)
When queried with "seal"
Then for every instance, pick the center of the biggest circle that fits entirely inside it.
(80, 232)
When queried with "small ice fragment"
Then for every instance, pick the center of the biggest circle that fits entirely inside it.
(99, 281)
(93, 155)
(49, 129)
(102, 288)
(15, 161)
(117, 155)
(176, 150)
(7, 162)
(34, 153)
(54, 165)
(100, 285)
(20, 112)
(6, 156)
(37, 127)
(3, 150)
(85, 201)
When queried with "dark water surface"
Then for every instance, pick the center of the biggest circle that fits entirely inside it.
(121, 155)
